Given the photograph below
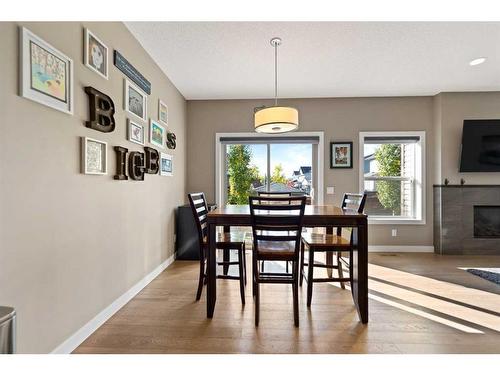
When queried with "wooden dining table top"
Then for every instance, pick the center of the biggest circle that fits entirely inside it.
(310, 210)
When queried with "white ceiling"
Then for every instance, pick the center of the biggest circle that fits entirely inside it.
(234, 60)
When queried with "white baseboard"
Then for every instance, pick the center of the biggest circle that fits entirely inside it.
(400, 249)
(81, 335)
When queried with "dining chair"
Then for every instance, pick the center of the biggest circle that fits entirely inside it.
(330, 244)
(226, 241)
(277, 230)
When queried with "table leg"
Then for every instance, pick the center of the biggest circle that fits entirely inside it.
(211, 271)
(359, 264)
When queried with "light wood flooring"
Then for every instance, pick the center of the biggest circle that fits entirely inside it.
(419, 303)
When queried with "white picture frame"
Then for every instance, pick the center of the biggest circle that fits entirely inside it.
(94, 156)
(157, 134)
(162, 112)
(136, 132)
(47, 84)
(166, 165)
(93, 46)
(136, 100)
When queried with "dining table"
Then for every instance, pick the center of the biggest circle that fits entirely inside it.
(314, 216)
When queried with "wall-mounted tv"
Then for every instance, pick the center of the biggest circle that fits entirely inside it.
(480, 146)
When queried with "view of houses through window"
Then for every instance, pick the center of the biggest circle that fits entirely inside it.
(278, 167)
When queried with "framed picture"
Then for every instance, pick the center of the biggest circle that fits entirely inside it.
(95, 54)
(157, 134)
(135, 101)
(46, 74)
(340, 154)
(136, 132)
(94, 156)
(166, 164)
(162, 112)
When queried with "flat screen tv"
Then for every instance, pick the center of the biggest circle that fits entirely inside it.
(480, 146)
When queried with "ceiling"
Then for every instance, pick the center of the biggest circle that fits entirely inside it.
(234, 60)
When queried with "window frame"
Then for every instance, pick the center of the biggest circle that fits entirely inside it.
(220, 157)
(419, 187)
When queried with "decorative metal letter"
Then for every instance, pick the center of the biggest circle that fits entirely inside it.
(121, 157)
(136, 166)
(152, 160)
(171, 144)
(101, 109)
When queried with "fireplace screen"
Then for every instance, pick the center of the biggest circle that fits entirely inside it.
(487, 221)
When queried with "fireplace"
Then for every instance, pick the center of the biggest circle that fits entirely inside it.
(487, 221)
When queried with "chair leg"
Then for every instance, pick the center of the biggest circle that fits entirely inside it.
(226, 256)
(329, 262)
(242, 275)
(245, 263)
(201, 279)
(257, 302)
(286, 266)
(262, 266)
(255, 269)
(295, 286)
(301, 276)
(340, 269)
(310, 277)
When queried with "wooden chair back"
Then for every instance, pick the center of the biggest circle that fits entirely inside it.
(199, 207)
(279, 219)
(355, 202)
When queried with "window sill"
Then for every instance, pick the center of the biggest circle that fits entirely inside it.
(390, 221)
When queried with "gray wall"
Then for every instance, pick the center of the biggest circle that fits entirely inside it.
(341, 119)
(72, 243)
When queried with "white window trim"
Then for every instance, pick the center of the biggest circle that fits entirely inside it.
(219, 160)
(419, 171)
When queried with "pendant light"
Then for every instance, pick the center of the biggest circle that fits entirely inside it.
(276, 119)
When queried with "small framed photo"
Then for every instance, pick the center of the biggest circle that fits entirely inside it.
(136, 132)
(162, 112)
(46, 74)
(157, 134)
(166, 165)
(136, 101)
(94, 156)
(95, 54)
(340, 154)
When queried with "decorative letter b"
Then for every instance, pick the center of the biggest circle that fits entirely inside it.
(101, 109)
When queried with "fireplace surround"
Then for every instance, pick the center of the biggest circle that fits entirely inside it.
(467, 219)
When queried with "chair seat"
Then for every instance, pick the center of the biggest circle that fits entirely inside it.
(274, 250)
(230, 239)
(325, 240)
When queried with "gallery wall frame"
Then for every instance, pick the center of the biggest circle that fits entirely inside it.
(162, 112)
(136, 132)
(94, 156)
(341, 155)
(166, 166)
(135, 100)
(157, 134)
(45, 73)
(95, 54)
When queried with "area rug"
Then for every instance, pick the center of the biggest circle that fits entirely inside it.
(490, 274)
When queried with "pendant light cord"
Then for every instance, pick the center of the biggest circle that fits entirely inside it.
(276, 74)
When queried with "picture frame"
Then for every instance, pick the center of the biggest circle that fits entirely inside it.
(95, 54)
(94, 156)
(136, 132)
(136, 101)
(157, 134)
(341, 155)
(166, 166)
(45, 73)
(162, 112)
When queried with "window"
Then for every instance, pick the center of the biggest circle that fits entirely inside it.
(249, 163)
(392, 174)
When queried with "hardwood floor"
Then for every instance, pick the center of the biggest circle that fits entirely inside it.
(419, 303)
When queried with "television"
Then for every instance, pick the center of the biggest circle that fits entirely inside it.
(480, 146)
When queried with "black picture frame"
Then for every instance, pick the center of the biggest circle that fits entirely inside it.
(349, 162)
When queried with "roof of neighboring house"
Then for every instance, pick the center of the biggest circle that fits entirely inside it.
(305, 169)
(370, 157)
(278, 186)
